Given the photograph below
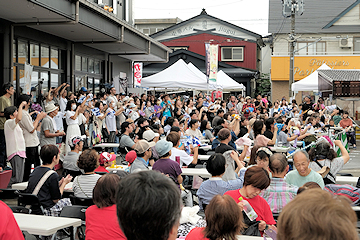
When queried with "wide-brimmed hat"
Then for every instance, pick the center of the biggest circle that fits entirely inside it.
(50, 108)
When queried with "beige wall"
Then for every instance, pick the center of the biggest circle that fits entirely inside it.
(279, 89)
(281, 44)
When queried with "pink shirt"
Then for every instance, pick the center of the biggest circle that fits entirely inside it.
(261, 141)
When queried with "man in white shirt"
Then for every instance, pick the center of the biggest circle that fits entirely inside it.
(112, 98)
(15, 147)
(30, 135)
(186, 159)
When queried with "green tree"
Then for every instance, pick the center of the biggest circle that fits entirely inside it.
(263, 84)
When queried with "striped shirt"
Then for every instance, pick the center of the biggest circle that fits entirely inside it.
(84, 184)
(278, 194)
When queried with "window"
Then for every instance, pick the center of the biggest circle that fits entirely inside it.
(45, 56)
(97, 66)
(54, 80)
(45, 77)
(152, 30)
(22, 52)
(14, 52)
(91, 65)
(232, 54)
(54, 58)
(46, 64)
(146, 31)
(84, 66)
(34, 54)
(77, 63)
(318, 48)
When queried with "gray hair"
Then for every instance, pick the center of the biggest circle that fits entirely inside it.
(303, 152)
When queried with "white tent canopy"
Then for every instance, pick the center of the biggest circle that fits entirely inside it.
(178, 75)
(309, 83)
(223, 80)
(228, 83)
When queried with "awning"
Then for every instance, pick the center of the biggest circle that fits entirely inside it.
(309, 83)
(178, 75)
(94, 27)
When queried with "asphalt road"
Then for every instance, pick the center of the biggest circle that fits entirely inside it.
(353, 166)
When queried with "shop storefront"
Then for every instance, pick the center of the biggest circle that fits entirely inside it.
(303, 67)
(69, 41)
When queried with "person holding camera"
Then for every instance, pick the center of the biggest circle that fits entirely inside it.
(319, 106)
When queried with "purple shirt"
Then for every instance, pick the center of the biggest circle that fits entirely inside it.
(157, 108)
(168, 166)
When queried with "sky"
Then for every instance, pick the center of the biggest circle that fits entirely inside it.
(248, 14)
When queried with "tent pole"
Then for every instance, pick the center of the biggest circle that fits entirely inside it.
(207, 91)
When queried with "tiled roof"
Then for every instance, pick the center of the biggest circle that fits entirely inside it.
(340, 75)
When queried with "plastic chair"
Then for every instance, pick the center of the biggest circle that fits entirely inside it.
(5, 178)
(81, 201)
(28, 199)
(8, 193)
(75, 211)
(19, 209)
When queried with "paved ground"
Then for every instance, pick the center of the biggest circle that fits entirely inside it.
(353, 166)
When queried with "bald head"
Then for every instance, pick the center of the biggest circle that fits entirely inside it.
(278, 163)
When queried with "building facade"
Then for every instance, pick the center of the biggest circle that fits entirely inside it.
(325, 33)
(151, 26)
(76, 42)
(238, 49)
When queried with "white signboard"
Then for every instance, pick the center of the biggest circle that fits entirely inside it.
(27, 77)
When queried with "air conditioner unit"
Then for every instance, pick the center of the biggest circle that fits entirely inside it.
(346, 42)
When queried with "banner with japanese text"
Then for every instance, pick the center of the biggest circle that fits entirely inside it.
(137, 74)
(213, 62)
(207, 60)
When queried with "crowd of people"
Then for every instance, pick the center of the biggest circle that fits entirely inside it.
(166, 132)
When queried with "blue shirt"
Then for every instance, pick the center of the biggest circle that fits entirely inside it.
(216, 185)
(167, 111)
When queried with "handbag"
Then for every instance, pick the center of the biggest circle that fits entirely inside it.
(252, 227)
(324, 176)
(105, 133)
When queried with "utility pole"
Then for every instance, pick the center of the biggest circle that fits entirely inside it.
(292, 48)
(290, 9)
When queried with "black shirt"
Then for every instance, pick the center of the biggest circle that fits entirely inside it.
(268, 134)
(242, 132)
(179, 116)
(49, 191)
(223, 148)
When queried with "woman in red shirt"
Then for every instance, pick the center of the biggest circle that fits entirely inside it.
(248, 107)
(101, 219)
(224, 220)
(256, 179)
